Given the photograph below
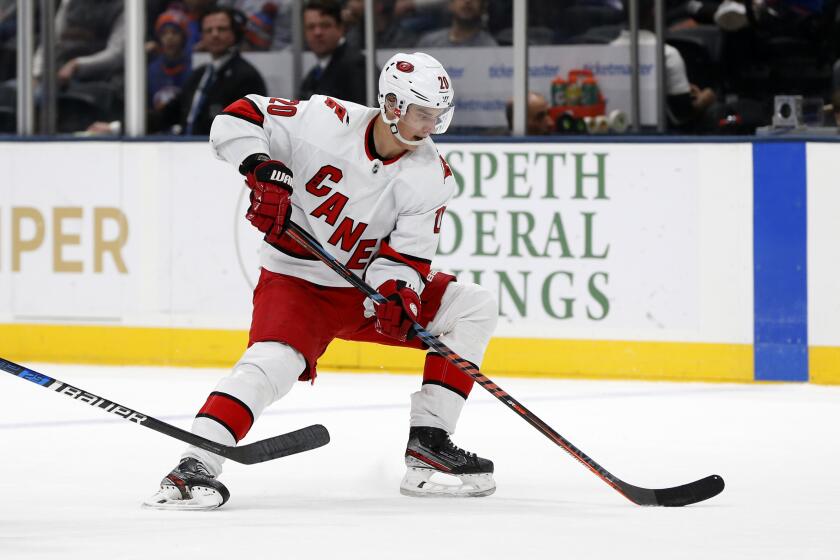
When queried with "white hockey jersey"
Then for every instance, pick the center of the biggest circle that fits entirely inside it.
(380, 218)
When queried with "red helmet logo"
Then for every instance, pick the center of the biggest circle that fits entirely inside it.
(404, 66)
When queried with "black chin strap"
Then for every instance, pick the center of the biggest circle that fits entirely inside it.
(372, 146)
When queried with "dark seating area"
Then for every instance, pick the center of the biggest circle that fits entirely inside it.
(783, 47)
(701, 49)
(8, 62)
(576, 18)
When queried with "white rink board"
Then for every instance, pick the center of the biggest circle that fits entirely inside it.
(823, 244)
(670, 239)
(180, 257)
(674, 230)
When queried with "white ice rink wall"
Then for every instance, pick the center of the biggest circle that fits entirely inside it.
(687, 261)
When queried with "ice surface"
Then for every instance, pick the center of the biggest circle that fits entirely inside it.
(73, 477)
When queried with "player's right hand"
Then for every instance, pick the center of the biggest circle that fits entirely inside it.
(271, 190)
(397, 315)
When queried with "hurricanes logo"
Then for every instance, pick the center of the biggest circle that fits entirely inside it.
(404, 66)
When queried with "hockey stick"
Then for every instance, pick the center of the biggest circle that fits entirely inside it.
(690, 493)
(298, 441)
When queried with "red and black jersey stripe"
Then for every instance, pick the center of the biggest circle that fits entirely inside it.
(228, 411)
(422, 266)
(246, 110)
(439, 371)
(288, 246)
(447, 171)
(370, 146)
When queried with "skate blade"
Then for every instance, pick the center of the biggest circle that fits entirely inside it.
(169, 498)
(417, 484)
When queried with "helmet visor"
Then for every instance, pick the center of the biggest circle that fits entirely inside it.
(436, 120)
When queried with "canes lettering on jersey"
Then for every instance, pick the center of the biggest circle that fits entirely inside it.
(347, 233)
(314, 184)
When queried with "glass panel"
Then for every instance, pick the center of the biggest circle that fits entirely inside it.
(468, 38)
(89, 63)
(579, 80)
(8, 66)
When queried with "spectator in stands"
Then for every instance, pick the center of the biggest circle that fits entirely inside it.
(90, 41)
(539, 122)
(269, 25)
(552, 21)
(214, 86)
(781, 17)
(195, 10)
(8, 20)
(680, 14)
(420, 16)
(209, 88)
(340, 69)
(689, 108)
(353, 19)
(835, 106)
(731, 15)
(170, 69)
(466, 29)
(154, 9)
(389, 34)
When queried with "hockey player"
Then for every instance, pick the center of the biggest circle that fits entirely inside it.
(370, 186)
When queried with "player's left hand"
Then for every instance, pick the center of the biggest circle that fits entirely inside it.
(395, 318)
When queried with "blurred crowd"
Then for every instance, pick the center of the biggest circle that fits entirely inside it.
(724, 60)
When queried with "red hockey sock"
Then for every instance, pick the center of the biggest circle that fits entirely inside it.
(439, 371)
(228, 411)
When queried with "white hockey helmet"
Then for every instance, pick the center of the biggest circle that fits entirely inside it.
(415, 79)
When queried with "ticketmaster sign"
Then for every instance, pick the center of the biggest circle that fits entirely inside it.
(483, 76)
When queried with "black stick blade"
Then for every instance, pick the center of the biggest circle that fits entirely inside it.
(690, 493)
(305, 439)
(677, 496)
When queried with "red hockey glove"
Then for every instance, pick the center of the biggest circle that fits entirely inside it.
(271, 188)
(396, 317)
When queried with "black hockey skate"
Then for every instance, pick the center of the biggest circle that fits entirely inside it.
(189, 486)
(430, 451)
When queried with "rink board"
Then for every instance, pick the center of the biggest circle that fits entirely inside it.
(594, 359)
(823, 262)
(608, 260)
